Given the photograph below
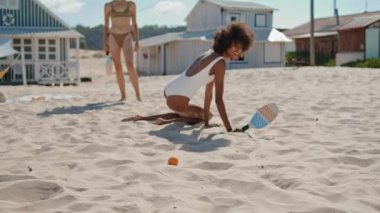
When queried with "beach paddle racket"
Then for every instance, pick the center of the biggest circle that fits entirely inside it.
(264, 116)
(108, 65)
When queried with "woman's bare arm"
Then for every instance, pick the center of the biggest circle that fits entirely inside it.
(134, 25)
(106, 30)
(208, 98)
(219, 72)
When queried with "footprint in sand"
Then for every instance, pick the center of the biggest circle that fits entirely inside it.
(7, 178)
(214, 166)
(30, 191)
(112, 163)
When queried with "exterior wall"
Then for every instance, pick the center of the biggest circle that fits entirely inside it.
(204, 16)
(372, 40)
(50, 66)
(44, 58)
(342, 58)
(262, 54)
(180, 54)
(148, 60)
(208, 16)
(249, 17)
(352, 40)
(290, 47)
(30, 14)
(326, 46)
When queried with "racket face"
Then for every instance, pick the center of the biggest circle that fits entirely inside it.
(264, 116)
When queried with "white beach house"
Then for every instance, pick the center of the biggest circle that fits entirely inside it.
(171, 53)
(42, 39)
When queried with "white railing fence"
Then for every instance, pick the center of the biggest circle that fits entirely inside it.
(51, 72)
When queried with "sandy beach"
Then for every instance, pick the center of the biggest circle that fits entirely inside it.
(64, 149)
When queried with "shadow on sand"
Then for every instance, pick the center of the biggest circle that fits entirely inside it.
(79, 109)
(192, 142)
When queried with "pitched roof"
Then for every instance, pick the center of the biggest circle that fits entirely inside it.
(265, 35)
(169, 37)
(277, 36)
(32, 17)
(327, 24)
(229, 4)
(233, 5)
(360, 22)
(39, 32)
(316, 34)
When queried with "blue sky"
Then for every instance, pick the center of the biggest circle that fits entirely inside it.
(290, 13)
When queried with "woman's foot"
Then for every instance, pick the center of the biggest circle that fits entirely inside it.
(138, 98)
(161, 121)
(123, 97)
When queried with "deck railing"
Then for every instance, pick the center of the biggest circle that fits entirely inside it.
(47, 72)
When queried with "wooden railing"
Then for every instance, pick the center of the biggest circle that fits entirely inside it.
(57, 72)
(49, 72)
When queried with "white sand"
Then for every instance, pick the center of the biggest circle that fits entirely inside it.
(321, 155)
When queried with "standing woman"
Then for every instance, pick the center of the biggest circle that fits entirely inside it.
(119, 38)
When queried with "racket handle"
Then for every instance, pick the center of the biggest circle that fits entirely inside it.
(245, 128)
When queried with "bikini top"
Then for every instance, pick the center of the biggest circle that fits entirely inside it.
(125, 13)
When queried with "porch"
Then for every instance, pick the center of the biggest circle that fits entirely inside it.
(44, 58)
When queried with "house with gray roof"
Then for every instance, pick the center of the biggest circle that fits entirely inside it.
(43, 42)
(347, 38)
(171, 53)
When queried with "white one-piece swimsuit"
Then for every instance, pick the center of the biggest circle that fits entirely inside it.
(188, 85)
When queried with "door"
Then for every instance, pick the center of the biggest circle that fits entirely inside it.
(372, 43)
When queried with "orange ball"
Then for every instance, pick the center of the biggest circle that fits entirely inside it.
(173, 161)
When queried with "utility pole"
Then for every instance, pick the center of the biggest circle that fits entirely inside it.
(312, 45)
(336, 13)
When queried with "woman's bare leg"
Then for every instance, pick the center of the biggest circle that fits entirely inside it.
(166, 116)
(132, 73)
(116, 56)
(188, 121)
(164, 119)
(180, 104)
(184, 112)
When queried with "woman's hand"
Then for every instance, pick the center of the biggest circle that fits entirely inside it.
(137, 46)
(235, 130)
(106, 46)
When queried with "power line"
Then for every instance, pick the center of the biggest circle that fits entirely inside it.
(150, 6)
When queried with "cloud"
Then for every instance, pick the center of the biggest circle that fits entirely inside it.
(169, 7)
(64, 6)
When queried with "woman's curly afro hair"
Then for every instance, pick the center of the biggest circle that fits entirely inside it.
(234, 33)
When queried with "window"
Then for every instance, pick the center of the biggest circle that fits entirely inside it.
(233, 17)
(239, 60)
(272, 52)
(17, 45)
(28, 49)
(9, 4)
(47, 49)
(260, 20)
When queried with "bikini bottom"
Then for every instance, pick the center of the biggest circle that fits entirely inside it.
(119, 38)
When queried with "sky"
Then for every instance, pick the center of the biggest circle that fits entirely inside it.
(289, 13)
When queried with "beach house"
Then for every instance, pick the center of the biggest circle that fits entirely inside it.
(171, 53)
(42, 39)
(345, 38)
